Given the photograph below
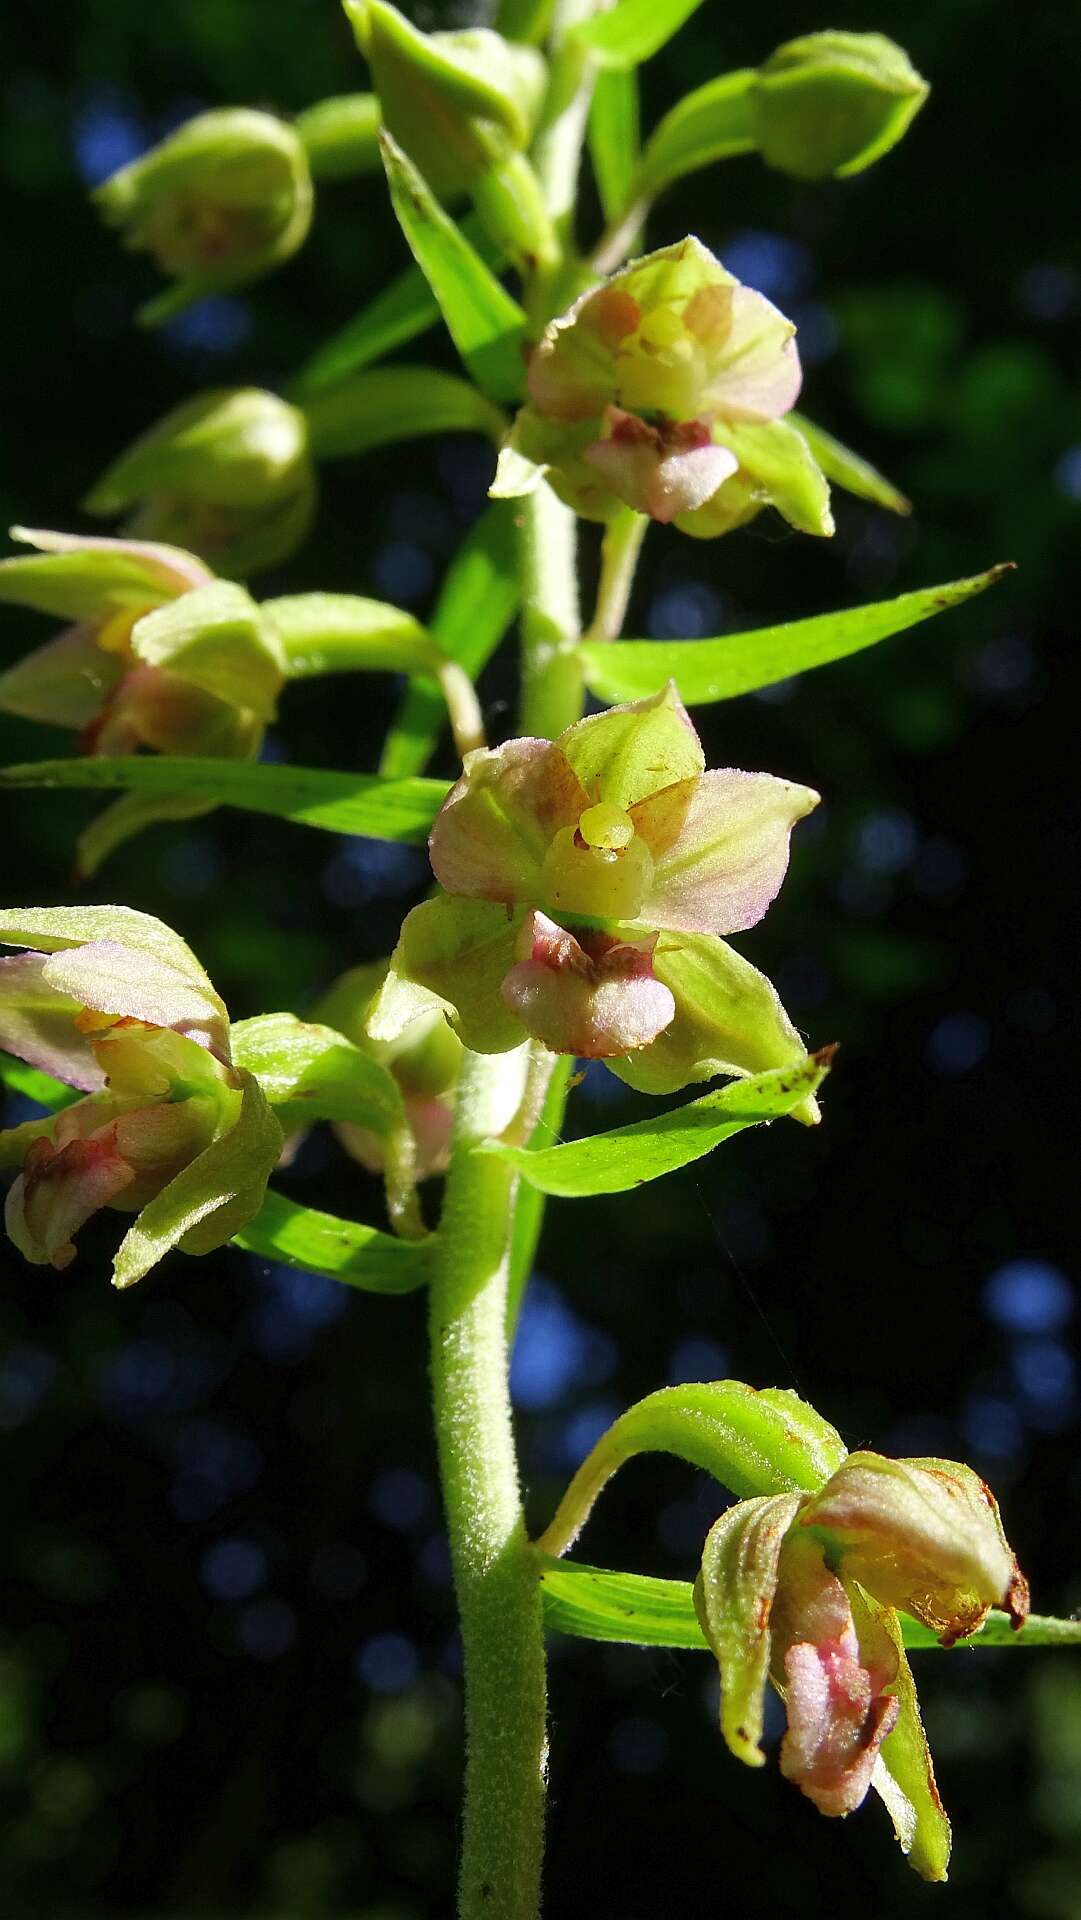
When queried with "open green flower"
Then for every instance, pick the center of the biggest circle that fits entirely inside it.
(158, 656)
(115, 1004)
(228, 475)
(586, 883)
(801, 1589)
(664, 390)
(220, 202)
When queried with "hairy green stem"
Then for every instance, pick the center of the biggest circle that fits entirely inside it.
(495, 1574)
(551, 672)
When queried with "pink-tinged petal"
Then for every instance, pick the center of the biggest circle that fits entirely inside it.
(757, 375)
(37, 1024)
(79, 576)
(594, 996)
(115, 979)
(65, 683)
(660, 471)
(720, 848)
(160, 710)
(58, 1190)
(573, 371)
(495, 827)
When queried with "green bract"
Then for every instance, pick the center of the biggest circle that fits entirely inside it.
(221, 201)
(228, 475)
(115, 1004)
(663, 390)
(831, 103)
(161, 656)
(586, 882)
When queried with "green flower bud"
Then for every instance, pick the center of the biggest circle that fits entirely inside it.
(831, 103)
(227, 475)
(459, 103)
(220, 202)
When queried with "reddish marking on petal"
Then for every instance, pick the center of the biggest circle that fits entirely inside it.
(613, 314)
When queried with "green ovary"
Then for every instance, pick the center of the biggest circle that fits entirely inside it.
(600, 868)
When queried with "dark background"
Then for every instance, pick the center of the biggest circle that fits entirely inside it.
(228, 1670)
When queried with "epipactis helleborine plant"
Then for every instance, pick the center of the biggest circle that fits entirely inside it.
(116, 1005)
(586, 886)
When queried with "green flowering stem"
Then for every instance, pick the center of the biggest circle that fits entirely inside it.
(495, 1575)
(552, 684)
(620, 548)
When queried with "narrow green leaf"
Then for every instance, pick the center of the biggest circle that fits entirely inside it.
(343, 1250)
(390, 404)
(633, 30)
(478, 601)
(35, 1085)
(629, 1156)
(360, 803)
(712, 123)
(406, 308)
(487, 326)
(850, 470)
(613, 138)
(594, 1603)
(707, 670)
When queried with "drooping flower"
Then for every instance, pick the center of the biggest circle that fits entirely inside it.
(664, 390)
(218, 203)
(116, 1004)
(586, 884)
(802, 1589)
(158, 656)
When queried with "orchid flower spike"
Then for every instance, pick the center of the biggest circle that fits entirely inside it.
(802, 1589)
(586, 884)
(115, 1004)
(157, 655)
(664, 390)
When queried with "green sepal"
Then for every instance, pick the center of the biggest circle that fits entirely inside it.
(67, 929)
(766, 1442)
(213, 1197)
(708, 670)
(487, 326)
(392, 404)
(345, 1250)
(81, 579)
(624, 755)
(629, 1156)
(729, 1020)
(360, 803)
(904, 1777)
(458, 102)
(310, 1072)
(452, 957)
(850, 470)
(216, 638)
(832, 103)
(733, 1596)
(776, 469)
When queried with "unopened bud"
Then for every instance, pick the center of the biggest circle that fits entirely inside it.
(227, 475)
(831, 103)
(220, 202)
